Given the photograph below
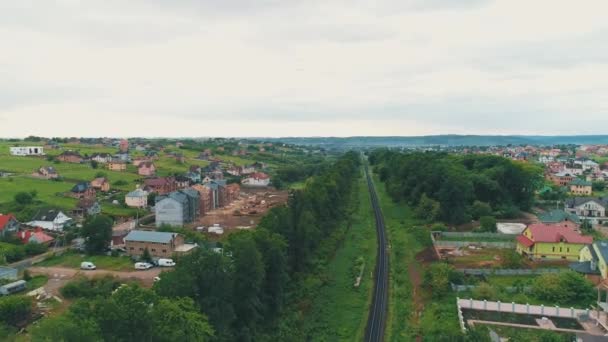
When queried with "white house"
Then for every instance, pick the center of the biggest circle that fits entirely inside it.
(588, 208)
(27, 151)
(137, 198)
(102, 157)
(50, 219)
(256, 179)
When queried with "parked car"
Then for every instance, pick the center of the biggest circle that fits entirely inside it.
(143, 265)
(87, 265)
(166, 262)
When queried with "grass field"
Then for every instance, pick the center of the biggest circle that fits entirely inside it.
(103, 262)
(339, 312)
(36, 282)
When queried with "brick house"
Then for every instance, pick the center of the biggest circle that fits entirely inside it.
(158, 244)
(101, 184)
(160, 185)
(70, 157)
(117, 165)
(580, 187)
(206, 198)
(87, 207)
(82, 190)
(561, 178)
(146, 169)
(46, 172)
(233, 192)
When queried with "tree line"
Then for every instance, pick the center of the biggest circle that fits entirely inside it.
(236, 293)
(454, 188)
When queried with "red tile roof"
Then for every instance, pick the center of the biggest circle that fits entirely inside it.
(4, 220)
(557, 232)
(259, 175)
(524, 241)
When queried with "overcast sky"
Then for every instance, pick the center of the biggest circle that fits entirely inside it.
(302, 68)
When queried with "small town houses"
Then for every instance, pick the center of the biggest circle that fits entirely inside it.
(101, 184)
(592, 209)
(70, 157)
(102, 158)
(117, 165)
(552, 241)
(137, 198)
(256, 179)
(45, 172)
(177, 208)
(146, 169)
(8, 224)
(158, 244)
(27, 151)
(50, 219)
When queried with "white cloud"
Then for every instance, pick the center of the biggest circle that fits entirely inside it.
(252, 68)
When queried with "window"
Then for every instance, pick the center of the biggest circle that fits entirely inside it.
(141, 249)
(132, 248)
(568, 249)
(153, 250)
(553, 249)
(560, 249)
(164, 251)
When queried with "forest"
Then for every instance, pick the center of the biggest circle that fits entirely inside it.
(247, 291)
(457, 188)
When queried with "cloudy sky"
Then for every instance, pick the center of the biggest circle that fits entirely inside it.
(302, 68)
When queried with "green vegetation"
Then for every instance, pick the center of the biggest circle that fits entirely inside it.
(456, 182)
(97, 232)
(90, 288)
(73, 260)
(339, 311)
(36, 282)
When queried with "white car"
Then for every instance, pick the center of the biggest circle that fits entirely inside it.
(87, 265)
(143, 265)
(166, 262)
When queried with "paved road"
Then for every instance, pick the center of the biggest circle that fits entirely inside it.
(25, 263)
(378, 311)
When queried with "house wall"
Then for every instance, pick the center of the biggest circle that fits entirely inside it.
(27, 151)
(117, 166)
(171, 212)
(157, 250)
(136, 201)
(557, 251)
(601, 265)
(580, 190)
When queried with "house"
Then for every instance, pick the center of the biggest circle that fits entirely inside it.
(46, 172)
(139, 160)
(146, 169)
(580, 187)
(233, 191)
(206, 198)
(561, 178)
(194, 177)
(8, 224)
(593, 260)
(103, 158)
(87, 207)
(182, 182)
(101, 184)
(557, 216)
(117, 165)
(137, 198)
(160, 185)
(35, 236)
(180, 158)
(177, 207)
(82, 190)
(124, 156)
(158, 244)
(70, 157)
(552, 241)
(50, 219)
(256, 179)
(118, 237)
(195, 169)
(123, 145)
(26, 151)
(592, 209)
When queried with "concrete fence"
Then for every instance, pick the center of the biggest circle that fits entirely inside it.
(495, 244)
(526, 309)
(508, 272)
(462, 288)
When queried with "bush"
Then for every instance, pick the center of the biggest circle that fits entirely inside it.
(566, 288)
(437, 279)
(485, 291)
(438, 227)
(15, 309)
(90, 288)
(120, 182)
(511, 259)
(35, 248)
(487, 224)
(480, 209)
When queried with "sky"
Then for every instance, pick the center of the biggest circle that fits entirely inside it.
(302, 68)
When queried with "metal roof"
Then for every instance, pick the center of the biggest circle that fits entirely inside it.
(146, 236)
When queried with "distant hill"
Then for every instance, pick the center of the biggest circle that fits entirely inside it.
(445, 140)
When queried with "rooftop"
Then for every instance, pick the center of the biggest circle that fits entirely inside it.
(146, 236)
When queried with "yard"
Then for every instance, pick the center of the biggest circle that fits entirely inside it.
(103, 262)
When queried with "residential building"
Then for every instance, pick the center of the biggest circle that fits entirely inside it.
(35, 236)
(206, 198)
(101, 184)
(146, 169)
(137, 199)
(124, 156)
(580, 187)
(103, 158)
(8, 224)
(233, 191)
(552, 241)
(160, 185)
(177, 207)
(46, 172)
(26, 151)
(194, 177)
(593, 260)
(561, 178)
(117, 165)
(140, 160)
(256, 179)
(592, 209)
(158, 244)
(87, 207)
(123, 146)
(50, 219)
(557, 216)
(70, 157)
(182, 182)
(82, 190)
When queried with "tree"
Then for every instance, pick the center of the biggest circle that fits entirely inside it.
(23, 198)
(565, 288)
(586, 226)
(487, 224)
(427, 209)
(480, 209)
(179, 320)
(97, 232)
(100, 174)
(437, 278)
(66, 328)
(15, 309)
(485, 291)
(94, 164)
(145, 256)
(599, 186)
(511, 259)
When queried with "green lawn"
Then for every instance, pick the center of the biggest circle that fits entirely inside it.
(339, 312)
(36, 282)
(103, 262)
(511, 280)
(47, 190)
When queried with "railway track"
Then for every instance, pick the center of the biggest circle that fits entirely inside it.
(376, 321)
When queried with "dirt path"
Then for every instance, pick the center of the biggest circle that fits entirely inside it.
(422, 259)
(58, 276)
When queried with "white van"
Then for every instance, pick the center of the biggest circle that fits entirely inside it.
(87, 265)
(166, 262)
(143, 266)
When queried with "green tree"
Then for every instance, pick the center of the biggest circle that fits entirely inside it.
(437, 279)
(480, 209)
(487, 224)
(145, 256)
(427, 209)
(15, 309)
(485, 291)
(511, 259)
(66, 328)
(565, 288)
(23, 198)
(97, 232)
(94, 164)
(179, 320)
